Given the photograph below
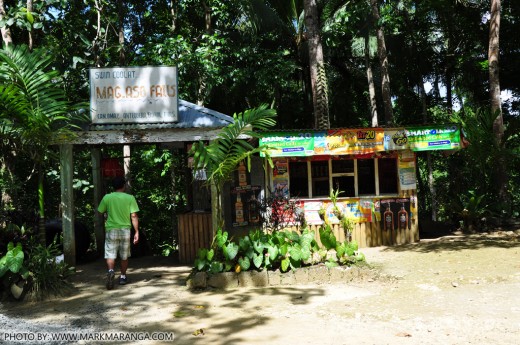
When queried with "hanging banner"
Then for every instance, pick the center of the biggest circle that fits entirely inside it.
(437, 138)
(395, 139)
(289, 144)
(281, 177)
(354, 141)
(364, 141)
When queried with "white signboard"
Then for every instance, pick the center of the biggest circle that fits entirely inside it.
(133, 95)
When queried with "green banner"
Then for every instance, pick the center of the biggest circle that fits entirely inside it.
(428, 138)
(289, 144)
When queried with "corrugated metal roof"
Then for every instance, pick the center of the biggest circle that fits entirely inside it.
(190, 116)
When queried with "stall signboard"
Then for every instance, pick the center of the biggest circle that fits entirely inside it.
(133, 95)
(289, 144)
(354, 141)
(362, 141)
(433, 138)
(406, 170)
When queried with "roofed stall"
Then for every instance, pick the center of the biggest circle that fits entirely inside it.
(369, 174)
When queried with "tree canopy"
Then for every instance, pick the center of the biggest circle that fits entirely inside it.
(237, 54)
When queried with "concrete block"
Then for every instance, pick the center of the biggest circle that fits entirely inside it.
(253, 279)
(318, 274)
(337, 274)
(198, 281)
(301, 275)
(287, 278)
(224, 280)
(274, 277)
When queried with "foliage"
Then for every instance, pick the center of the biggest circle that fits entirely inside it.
(471, 209)
(346, 222)
(232, 146)
(13, 261)
(32, 267)
(158, 184)
(282, 250)
(49, 276)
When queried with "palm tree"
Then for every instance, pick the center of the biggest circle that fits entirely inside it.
(222, 156)
(33, 108)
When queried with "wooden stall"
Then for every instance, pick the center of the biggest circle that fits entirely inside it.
(367, 175)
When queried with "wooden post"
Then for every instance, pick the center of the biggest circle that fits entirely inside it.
(215, 209)
(99, 229)
(128, 172)
(67, 204)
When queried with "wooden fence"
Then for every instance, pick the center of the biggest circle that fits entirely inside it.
(371, 234)
(194, 232)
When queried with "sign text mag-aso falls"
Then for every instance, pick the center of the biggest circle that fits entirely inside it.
(133, 94)
(362, 141)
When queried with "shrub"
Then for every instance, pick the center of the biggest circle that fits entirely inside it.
(282, 250)
(49, 275)
(31, 268)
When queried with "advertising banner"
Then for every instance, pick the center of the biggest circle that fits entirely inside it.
(436, 138)
(133, 95)
(363, 141)
(354, 141)
(289, 144)
(281, 177)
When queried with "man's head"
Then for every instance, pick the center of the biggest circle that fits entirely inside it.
(118, 182)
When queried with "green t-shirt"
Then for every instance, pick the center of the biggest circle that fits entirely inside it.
(119, 206)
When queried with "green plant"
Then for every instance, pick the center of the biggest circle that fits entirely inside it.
(221, 157)
(167, 249)
(471, 209)
(12, 270)
(12, 261)
(281, 249)
(348, 226)
(49, 275)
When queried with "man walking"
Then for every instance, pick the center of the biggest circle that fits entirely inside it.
(122, 211)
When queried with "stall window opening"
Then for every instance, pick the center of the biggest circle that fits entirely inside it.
(354, 177)
(298, 180)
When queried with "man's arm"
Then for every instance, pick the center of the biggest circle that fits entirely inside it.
(135, 224)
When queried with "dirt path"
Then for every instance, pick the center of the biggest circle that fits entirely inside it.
(453, 290)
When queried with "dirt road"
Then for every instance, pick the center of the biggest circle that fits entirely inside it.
(452, 290)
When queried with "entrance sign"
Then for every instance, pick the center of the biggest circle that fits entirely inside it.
(133, 95)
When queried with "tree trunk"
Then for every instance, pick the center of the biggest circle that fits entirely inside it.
(316, 66)
(203, 88)
(383, 59)
(30, 9)
(96, 47)
(121, 29)
(5, 31)
(496, 106)
(173, 12)
(371, 86)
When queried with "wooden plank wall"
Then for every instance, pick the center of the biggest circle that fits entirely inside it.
(372, 235)
(194, 233)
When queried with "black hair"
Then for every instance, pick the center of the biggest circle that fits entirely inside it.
(118, 182)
